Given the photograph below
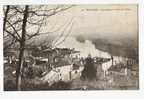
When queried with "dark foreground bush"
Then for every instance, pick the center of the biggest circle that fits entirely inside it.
(35, 85)
(61, 86)
(9, 85)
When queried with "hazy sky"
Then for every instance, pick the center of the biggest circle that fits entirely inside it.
(99, 20)
(96, 21)
(116, 23)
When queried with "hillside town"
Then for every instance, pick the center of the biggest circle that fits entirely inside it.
(68, 47)
(66, 65)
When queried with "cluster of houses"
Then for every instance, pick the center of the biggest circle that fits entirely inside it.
(47, 58)
(65, 63)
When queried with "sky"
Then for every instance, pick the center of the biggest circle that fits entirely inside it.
(99, 20)
(116, 23)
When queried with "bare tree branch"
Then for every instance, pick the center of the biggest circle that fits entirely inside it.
(14, 23)
(17, 9)
(14, 29)
(62, 33)
(15, 37)
(54, 11)
(65, 36)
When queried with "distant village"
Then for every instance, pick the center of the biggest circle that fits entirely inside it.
(52, 65)
(60, 47)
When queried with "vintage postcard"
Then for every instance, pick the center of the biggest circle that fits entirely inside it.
(71, 47)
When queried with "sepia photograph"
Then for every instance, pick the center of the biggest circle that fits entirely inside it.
(70, 47)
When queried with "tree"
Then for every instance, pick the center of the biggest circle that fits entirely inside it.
(22, 46)
(20, 21)
(89, 71)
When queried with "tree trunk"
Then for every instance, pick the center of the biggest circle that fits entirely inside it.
(21, 51)
(5, 17)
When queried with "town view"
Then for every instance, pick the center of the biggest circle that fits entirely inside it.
(70, 47)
